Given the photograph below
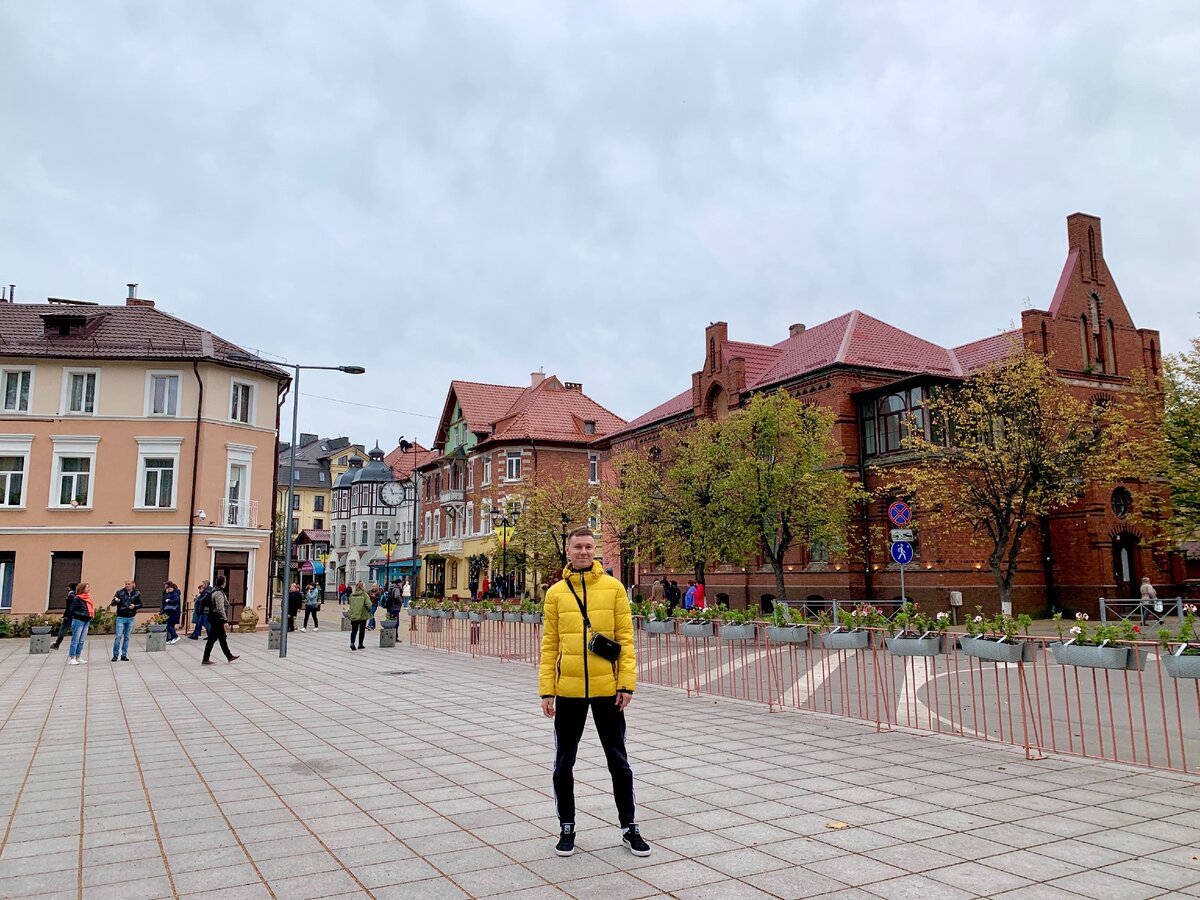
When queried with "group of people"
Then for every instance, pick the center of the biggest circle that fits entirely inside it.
(668, 592)
(210, 613)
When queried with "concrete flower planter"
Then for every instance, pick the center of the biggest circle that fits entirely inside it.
(747, 632)
(531, 618)
(997, 651)
(1101, 657)
(859, 639)
(460, 614)
(696, 629)
(156, 629)
(475, 617)
(1180, 666)
(40, 629)
(512, 617)
(788, 634)
(495, 616)
(651, 626)
(387, 633)
(916, 644)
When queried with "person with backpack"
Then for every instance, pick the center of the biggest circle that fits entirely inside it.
(128, 600)
(218, 615)
(312, 603)
(200, 608)
(360, 611)
(171, 609)
(64, 627)
(689, 596)
(395, 600)
(80, 612)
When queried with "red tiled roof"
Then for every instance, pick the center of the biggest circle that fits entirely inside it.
(121, 332)
(988, 350)
(403, 463)
(482, 404)
(315, 535)
(674, 407)
(550, 412)
(814, 348)
(758, 358)
(1060, 291)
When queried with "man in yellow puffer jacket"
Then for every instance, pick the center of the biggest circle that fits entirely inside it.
(574, 679)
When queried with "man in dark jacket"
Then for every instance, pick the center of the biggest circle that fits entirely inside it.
(65, 628)
(128, 601)
(200, 608)
(217, 617)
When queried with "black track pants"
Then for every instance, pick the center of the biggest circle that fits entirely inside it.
(569, 718)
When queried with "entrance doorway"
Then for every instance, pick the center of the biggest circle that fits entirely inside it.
(234, 566)
(1126, 571)
(66, 567)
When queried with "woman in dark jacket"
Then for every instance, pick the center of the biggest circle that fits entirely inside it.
(80, 613)
(171, 607)
(295, 602)
(65, 628)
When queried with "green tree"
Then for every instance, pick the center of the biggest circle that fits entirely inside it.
(784, 479)
(537, 510)
(1020, 446)
(1181, 427)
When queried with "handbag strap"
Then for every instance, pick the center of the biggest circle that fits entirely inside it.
(582, 603)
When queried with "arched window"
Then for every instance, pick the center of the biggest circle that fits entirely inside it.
(890, 428)
(1110, 349)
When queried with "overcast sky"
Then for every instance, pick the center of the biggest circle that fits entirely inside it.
(480, 189)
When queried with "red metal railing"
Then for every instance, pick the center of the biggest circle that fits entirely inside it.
(1139, 716)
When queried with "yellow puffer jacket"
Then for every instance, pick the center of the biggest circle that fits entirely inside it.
(568, 669)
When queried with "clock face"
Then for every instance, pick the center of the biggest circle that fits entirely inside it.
(392, 493)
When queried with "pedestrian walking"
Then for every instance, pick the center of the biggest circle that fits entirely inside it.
(587, 664)
(658, 593)
(64, 627)
(200, 607)
(1150, 602)
(294, 603)
(698, 597)
(689, 596)
(485, 589)
(80, 612)
(375, 593)
(171, 606)
(406, 593)
(395, 600)
(218, 615)
(343, 593)
(312, 603)
(128, 600)
(360, 611)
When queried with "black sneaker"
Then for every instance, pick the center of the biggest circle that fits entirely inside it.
(566, 841)
(124, 659)
(114, 659)
(633, 840)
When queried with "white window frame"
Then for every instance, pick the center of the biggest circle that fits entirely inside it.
(239, 455)
(66, 391)
(164, 373)
(14, 370)
(469, 525)
(593, 468)
(509, 457)
(17, 445)
(156, 448)
(487, 468)
(485, 516)
(427, 530)
(72, 445)
(252, 405)
(470, 473)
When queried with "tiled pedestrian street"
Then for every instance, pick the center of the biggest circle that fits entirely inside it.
(415, 773)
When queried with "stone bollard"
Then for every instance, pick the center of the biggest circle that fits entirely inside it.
(156, 641)
(273, 636)
(39, 640)
(387, 633)
(345, 621)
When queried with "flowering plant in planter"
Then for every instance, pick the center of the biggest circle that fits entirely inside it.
(864, 615)
(1187, 633)
(639, 608)
(782, 616)
(733, 616)
(656, 612)
(1083, 634)
(910, 620)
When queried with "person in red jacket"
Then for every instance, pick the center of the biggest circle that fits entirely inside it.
(699, 596)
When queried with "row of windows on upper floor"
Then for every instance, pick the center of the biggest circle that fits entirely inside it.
(457, 476)
(462, 523)
(73, 475)
(363, 536)
(80, 394)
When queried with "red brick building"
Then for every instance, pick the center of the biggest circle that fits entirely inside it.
(493, 440)
(872, 375)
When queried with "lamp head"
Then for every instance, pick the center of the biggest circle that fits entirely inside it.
(352, 370)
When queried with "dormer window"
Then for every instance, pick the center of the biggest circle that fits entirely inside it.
(589, 427)
(64, 326)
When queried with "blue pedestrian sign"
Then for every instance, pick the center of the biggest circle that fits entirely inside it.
(900, 514)
(902, 552)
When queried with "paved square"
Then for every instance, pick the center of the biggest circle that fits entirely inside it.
(415, 773)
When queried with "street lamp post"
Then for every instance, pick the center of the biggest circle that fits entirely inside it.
(287, 551)
(414, 495)
(502, 518)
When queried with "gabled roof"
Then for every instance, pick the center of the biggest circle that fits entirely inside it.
(552, 412)
(676, 406)
(482, 404)
(403, 463)
(313, 536)
(988, 350)
(139, 332)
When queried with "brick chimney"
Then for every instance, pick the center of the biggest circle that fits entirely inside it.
(133, 300)
(796, 329)
(536, 378)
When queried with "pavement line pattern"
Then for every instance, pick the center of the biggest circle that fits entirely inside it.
(87, 684)
(166, 720)
(32, 759)
(137, 761)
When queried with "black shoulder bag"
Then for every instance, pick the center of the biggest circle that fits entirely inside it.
(602, 646)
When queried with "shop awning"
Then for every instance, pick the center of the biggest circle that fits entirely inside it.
(312, 567)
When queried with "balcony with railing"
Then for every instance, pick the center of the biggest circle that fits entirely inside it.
(450, 546)
(239, 513)
(452, 495)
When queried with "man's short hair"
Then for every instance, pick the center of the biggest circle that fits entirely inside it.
(581, 532)
(221, 582)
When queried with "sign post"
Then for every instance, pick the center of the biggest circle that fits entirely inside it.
(900, 515)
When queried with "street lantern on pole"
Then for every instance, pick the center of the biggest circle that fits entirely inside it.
(501, 516)
(413, 494)
(291, 492)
